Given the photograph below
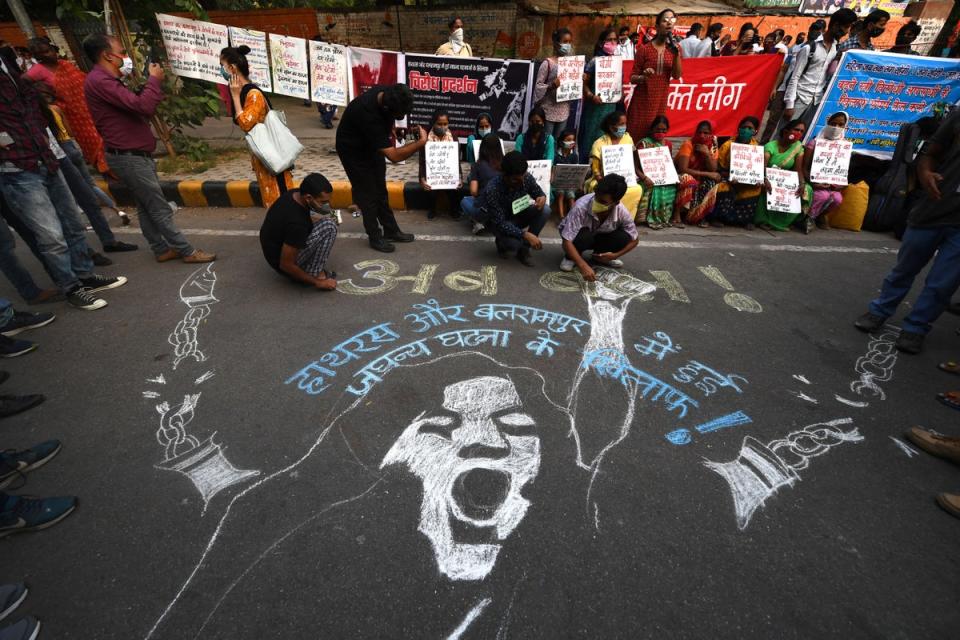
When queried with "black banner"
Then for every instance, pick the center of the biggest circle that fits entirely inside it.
(467, 87)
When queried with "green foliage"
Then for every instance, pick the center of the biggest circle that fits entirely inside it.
(188, 103)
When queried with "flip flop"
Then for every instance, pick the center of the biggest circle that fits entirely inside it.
(949, 367)
(950, 399)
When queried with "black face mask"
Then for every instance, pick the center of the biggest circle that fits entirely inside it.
(875, 31)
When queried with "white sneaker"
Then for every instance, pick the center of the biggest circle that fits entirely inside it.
(567, 265)
(478, 228)
(616, 263)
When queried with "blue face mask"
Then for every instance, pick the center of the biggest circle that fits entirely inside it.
(224, 73)
(620, 131)
(566, 49)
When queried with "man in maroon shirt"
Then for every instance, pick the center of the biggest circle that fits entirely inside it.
(123, 119)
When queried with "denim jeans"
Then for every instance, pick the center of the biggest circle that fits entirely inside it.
(19, 277)
(139, 174)
(76, 156)
(470, 207)
(6, 311)
(43, 201)
(918, 248)
(87, 200)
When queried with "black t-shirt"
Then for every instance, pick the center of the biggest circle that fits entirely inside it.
(364, 130)
(946, 211)
(286, 223)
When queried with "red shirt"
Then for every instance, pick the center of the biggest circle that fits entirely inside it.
(22, 118)
(122, 117)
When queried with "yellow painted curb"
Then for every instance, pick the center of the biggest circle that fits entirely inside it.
(342, 194)
(191, 191)
(238, 192)
(395, 195)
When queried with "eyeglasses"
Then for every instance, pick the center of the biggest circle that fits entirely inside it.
(669, 19)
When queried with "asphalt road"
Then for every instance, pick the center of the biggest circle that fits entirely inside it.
(462, 470)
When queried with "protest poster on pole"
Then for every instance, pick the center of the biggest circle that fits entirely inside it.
(258, 59)
(746, 163)
(569, 177)
(467, 87)
(608, 78)
(193, 47)
(831, 162)
(288, 57)
(540, 170)
(618, 159)
(783, 196)
(443, 165)
(570, 75)
(370, 67)
(328, 73)
(657, 165)
(881, 91)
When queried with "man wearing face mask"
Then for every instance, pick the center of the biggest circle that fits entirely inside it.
(625, 47)
(600, 224)
(905, 37)
(122, 118)
(873, 27)
(299, 231)
(455, 46)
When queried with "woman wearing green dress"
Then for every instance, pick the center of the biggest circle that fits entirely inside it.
(786, 152)
(595, 109)
(657, 205)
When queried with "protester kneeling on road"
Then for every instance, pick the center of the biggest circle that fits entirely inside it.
(515, 209)
(600, 224)
(299, 231)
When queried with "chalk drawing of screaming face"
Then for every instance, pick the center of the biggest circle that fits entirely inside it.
(474, 458)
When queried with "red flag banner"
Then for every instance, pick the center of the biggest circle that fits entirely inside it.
(723, 90)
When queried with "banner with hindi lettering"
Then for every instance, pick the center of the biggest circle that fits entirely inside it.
(193, 47)
(291, 74)
(881, 91)
(258, 59)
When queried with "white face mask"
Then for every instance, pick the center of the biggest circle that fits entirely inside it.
(831, 132)
(457, 36)
(127, 67)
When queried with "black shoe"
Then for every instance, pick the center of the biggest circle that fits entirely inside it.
(81, 298)
(24, 321)
(12, 405)
(400, 236)
(869, 322)
(10, 348)
(382, 245)
(96, 283)
(524, 257)
(431, 214)
(100, 260)
(910, 342)
(119, 246)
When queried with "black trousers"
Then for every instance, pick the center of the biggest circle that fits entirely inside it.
(369, 185)
(532, 220)
(601, 242)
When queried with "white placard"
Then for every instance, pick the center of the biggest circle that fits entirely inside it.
(569, 177)
(540, 170)
(570, 75)
(831, 161)
(783, 191)
(746, 163)
(657, 164)
(618, 159)
(193, 47)
(443, 165)
(258, 59)
(288, 57)
(608, 78)
(328, 73)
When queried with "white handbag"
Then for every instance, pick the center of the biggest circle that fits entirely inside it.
(273, 143)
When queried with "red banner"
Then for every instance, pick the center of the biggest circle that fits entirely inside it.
(723, 90)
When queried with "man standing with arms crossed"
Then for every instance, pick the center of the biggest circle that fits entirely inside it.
(122, 118)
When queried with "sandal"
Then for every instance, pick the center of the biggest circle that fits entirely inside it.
(950, 399)
(949, 367)
(704, 224)
(678, 225)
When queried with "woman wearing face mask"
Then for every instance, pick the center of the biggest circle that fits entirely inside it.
(566, 154)
(826, 197)
(545, 89)
(656, 62)
(736, 203)
(614, 128)
(534, 144)
(250, 108)
(483, 128)
(455, 46)
(697, 166)
(595, 109)
(439, 132)
(657, 205)
(786, 152)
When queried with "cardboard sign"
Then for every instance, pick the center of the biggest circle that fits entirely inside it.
(443, 165)
(569, 177)
(521, 204)
(328, 73)
(831, 161)
(258, 59)
(746, 163)
(618, 159)
(783, 192)
(288, 57)
(570, 74)
(540, 170)
(608, 78)
(657, 164)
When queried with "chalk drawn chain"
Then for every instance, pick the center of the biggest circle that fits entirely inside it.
(876, 365)
(197, 293)
(172, 434)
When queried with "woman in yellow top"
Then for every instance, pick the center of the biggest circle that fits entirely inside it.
(250, 108)
(614, 128)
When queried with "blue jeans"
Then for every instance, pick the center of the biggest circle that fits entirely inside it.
(87, 200)
(470, 208)
(19, 277)
(76, 156)
(6, 311)
(917, 249)
(43, 201)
